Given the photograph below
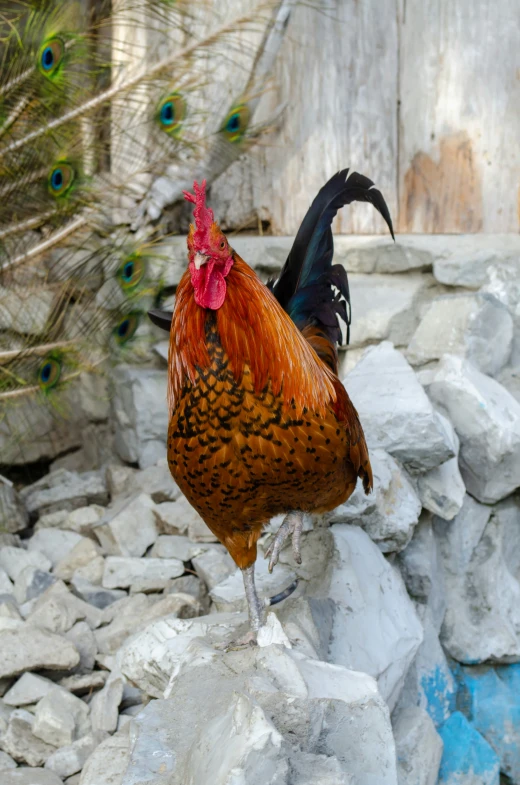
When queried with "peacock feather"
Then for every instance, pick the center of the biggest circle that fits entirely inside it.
(108, 109)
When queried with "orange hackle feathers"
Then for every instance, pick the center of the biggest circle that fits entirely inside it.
(255, 332)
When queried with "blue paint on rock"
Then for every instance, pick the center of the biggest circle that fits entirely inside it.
(492, 705)
(467, 758)
(438, 689)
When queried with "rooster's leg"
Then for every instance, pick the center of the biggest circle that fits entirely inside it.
(292, 525)
(253, 601)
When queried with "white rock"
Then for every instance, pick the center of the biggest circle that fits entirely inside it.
(463, 264)
(130, 529)
(150, 657)
(174, 546)
(83, 519)
(31, 583)
(375, 626)
(6, 587)
(54, 543)
(241, 745)
(30, 648)
(93, 594)
(487, 420)
(121, 572)
(482, 621)
(31, 776)
(421, 567)
(121, 618)
(21, 744)
(180, 517)
(429, 682)
(84, 683)
(155, 480)
(83, 639)
(58, 610)
(229, 595)
(395, 411)
(9, 608)
(70, 759)
(141, 414)
(475, 326)
(310, 769)
(13, 515)
(390, 512)
(29, 689)
(61, 718)
(272, 632)
(6, 762)
(108, 762)
(14, 560)
(64, 490)
(510, 379)
(104, 707)
(442, 490)
(419, 748)
(386, 307)
(81, 555)
(213, 566)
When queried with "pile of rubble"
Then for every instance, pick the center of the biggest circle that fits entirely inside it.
(397, 661)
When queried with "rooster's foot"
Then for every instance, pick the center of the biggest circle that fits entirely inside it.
(244, 642)
(292, 525)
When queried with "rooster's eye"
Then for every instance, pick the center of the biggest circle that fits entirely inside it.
(223, 244)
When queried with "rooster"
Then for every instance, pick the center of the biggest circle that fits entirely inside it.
(260, 422)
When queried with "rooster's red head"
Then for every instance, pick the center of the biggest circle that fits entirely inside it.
(209, 254)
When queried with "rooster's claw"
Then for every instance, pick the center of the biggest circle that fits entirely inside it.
(292, 525)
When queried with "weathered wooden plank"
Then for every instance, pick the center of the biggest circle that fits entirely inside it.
(338, 74)
(459, 130)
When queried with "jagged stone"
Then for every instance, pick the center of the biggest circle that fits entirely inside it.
(82, 683)
(214, 566)
(487, 420)
(129, 529)
(6, 762)
(121, 572)
(57, 610)
(421, 567)
(475, 326)
(390, 512)
(174, 546)
(419, 748)
(54, 543)
(467, 758)
(61, 718)
(70, 759)
(155, 480)
(14, 560)
(442, 490)
(93, 594)
(83, 639)
(30, 648)
(28, 689)
(63, 490)
(81, 555)
(6, 586)
(140, 414)
(13, 515)
(375, 627)
(104, 707)
(395, 411)
(31, 776)
(107, 764)
(21, 744)
(481, 562)
(31, 583)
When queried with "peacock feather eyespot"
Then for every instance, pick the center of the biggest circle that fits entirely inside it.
(61, 179)
(171, 113)
(50, 57)
(131, 272)
(49, 373)
(126, 328)
(236, 123)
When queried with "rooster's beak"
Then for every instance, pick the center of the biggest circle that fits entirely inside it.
(199, 260)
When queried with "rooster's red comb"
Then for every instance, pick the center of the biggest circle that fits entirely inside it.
(202, 214)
